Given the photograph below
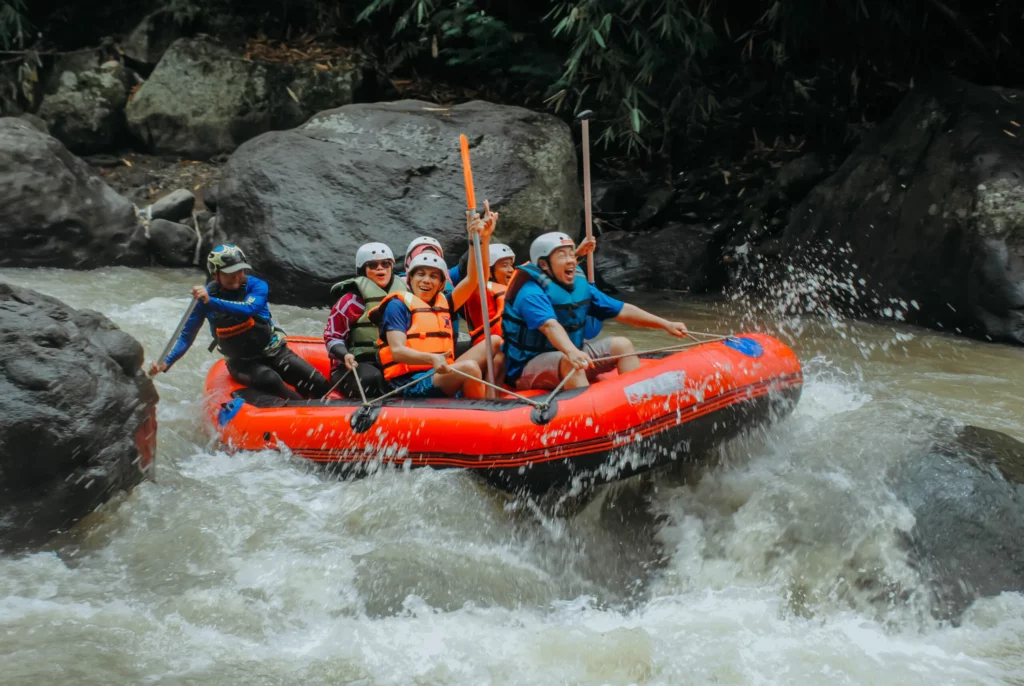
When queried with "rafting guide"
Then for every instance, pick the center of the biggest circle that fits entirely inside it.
(257, 355)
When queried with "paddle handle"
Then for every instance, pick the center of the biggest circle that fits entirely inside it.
(178, 330)
(588, 210)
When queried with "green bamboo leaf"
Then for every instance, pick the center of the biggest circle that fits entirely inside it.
(597, 37)
(636, 120)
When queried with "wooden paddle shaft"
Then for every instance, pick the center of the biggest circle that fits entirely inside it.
(586, 194)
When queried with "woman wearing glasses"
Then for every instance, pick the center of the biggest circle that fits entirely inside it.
(350, 337)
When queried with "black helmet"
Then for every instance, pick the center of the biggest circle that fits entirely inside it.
(227, 258)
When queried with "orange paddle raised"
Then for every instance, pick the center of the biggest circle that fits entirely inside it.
(467, 173)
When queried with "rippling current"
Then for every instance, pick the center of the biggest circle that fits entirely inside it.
(777, 563)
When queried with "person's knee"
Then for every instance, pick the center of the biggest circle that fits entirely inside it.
(621, 346)
(564, 366)
(468, 367)
(496, 343)
(577, 380)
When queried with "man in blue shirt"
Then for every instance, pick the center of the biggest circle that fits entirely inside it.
(235, 304)
(547, 307)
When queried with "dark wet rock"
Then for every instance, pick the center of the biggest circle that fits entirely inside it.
(967, 496)
(211, 196)
(174, 206)
(930, 208)
(79, 417)
(56, 211)
(104, 160)
(172, 244)
(678, 257)
(9, 105)
(203, 98)
(150, 39)
(300, 202)
(213, 235)
(797, 177)
(202, 219)
(656, 203)
(87, 112)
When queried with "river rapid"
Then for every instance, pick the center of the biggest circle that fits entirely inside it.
(778, 563)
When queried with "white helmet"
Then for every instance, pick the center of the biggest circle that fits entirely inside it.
(424, 240)
(373, 251)
(500, 251)
(547, 243)
(428, 259)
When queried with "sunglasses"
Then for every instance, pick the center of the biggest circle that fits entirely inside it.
(380, 264)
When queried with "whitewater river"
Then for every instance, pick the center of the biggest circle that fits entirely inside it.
(779, 564)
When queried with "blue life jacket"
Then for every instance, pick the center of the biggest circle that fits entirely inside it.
(594, 325)
(570, 305)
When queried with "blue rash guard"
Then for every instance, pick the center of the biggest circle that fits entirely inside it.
(253, 304)
(535, 308)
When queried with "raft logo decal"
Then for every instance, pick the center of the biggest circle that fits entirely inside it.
(661, 386)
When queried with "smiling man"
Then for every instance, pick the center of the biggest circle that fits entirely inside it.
(547, 306)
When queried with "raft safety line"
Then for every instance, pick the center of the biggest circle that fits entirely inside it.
(541, 404)
(498, 388)
(652, 427)
(337, 383)
(359, 385)
(370, 403)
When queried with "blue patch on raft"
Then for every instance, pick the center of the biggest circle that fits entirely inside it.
(747, 346)
(228, 411)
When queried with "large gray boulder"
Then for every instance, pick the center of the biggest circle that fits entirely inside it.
(300, 202)
(79, 417)
(967, 495)
(87, 112)
(203, 99)
(931, 209)
(56, 211)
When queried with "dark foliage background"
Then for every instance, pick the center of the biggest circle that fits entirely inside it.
(668, 78)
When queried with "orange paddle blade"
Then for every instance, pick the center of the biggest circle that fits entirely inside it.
(467, 172)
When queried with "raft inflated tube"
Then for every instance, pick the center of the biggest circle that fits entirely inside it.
(674, 407)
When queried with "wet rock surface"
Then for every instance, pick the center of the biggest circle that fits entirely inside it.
(79, 417)
(966, 492)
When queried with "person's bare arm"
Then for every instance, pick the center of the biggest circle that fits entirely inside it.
(634, 316)
(556, 333)
(402, 353)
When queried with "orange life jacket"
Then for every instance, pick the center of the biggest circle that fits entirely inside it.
(429, 332)
(495, 308)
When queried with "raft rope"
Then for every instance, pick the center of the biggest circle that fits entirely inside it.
(368, 403)
(336, 384)
(496, 387)
(542, 404)
(359, 385)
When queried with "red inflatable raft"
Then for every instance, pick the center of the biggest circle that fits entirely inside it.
(674, 406)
